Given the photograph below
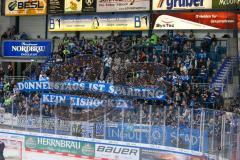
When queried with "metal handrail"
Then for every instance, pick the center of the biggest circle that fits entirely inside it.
(18, 78)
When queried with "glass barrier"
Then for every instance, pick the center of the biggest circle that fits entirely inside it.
(209, 131)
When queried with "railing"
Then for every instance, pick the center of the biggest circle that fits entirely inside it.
(204, 130)
(16, 78)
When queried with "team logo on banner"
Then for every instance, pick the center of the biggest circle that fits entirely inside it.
(73, 6)
(89, 6)
(89, 2)
(181, 4)
(25, 7)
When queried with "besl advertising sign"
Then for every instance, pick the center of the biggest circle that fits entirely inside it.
(195, 20)
(181, 4)
(115, 22)
(23, 49)
(25, 7)
(122, 5)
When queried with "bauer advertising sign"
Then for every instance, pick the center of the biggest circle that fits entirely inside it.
(25, 7)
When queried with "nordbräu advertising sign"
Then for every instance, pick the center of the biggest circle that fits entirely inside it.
(23, 49)
(181, 4)
(25, 7)
(100, 22)
(195, 20)
(122, 6)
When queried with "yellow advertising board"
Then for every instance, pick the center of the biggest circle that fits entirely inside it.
(117, 22)
(25, 7)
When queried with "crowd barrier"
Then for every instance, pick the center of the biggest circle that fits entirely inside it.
(21, 145)
(209, 132)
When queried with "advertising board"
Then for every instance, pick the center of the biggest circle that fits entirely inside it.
(27, 49)
(181, 4)
(116, 152)
(164, 155)
(100, 22)
(43, 146)
(72, 6)
(69, 147)
(238, 21)
(195, 20)
(55, 6)
(226, 4)
(25, 7)
(122, 6)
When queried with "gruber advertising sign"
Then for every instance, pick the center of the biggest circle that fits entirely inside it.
(181, 4)
(25, 7)
(122, 5)
(195, 20)
(23, 49)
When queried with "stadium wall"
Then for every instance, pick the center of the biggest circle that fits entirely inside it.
(46, 147)
(33, 26)
(8, 21)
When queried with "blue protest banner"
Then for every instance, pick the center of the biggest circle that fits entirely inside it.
(84, 102)
(92, 87)
(160, 135)
(24, 48)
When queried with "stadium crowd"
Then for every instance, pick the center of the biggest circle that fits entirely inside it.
(176, 64)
